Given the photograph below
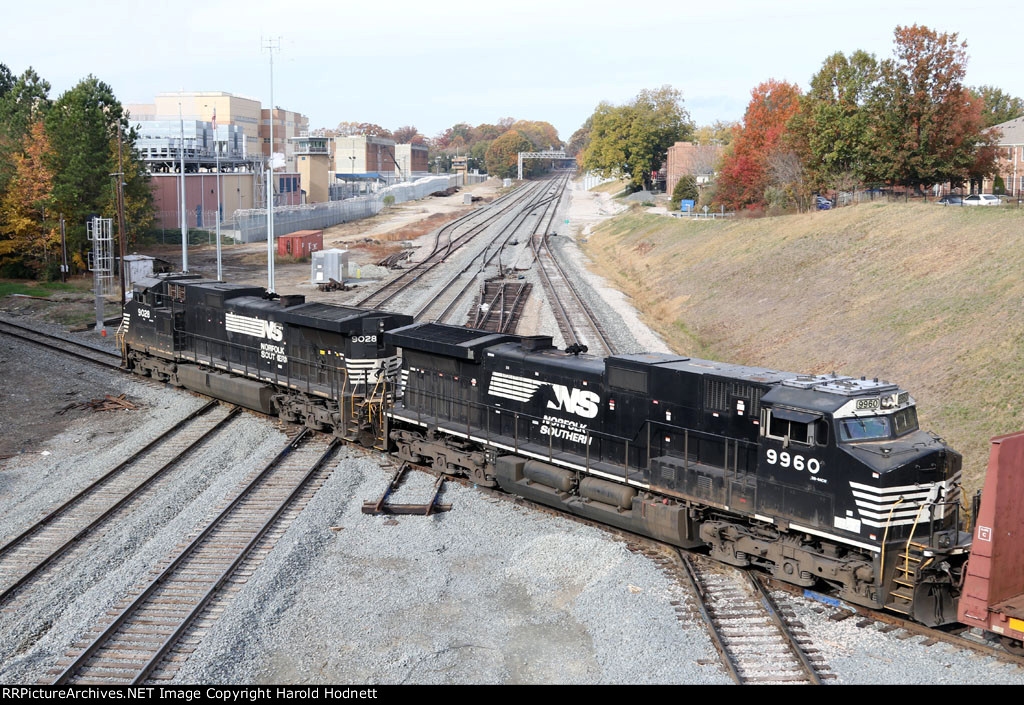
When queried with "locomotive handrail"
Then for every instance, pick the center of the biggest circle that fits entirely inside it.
(489, 410)
(885, 534)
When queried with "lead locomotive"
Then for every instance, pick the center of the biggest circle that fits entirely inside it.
(812, 478)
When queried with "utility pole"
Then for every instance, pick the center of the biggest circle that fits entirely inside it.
(63, 252)
(271, 46)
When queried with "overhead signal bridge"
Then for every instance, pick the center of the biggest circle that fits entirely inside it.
(541, 155)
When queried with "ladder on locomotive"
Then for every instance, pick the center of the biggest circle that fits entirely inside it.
(908, 566)
(371, 408)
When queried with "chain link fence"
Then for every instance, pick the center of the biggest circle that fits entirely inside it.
(251, 225)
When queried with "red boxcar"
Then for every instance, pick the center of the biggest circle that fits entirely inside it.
(300, 243)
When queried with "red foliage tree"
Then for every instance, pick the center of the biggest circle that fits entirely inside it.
(744, 175)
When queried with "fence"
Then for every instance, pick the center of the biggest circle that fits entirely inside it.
(902, 195)
(251, 224)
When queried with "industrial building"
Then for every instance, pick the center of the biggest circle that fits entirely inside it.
(239, 190)
(411, 160)
(313, 160)
(697, 160)
(160, 143)
(287, 126)
(363, 155)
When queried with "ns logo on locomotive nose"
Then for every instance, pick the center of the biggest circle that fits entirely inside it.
(575, 401)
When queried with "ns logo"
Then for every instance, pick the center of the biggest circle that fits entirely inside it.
(575, 401)
(273, 331)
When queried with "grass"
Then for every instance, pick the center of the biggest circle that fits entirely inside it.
(616, 188)
(928, 297)
(44, 289)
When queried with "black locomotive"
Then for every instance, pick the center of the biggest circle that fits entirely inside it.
(813, 478)
(324, 366)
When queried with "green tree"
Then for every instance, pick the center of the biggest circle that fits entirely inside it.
(82, 124)
(720, 132)
(633, 139)
(478, 152)
(999, 106)
(926, 128)
(580, 139)
(139, 212)
(686, 188)
(6, 80)
(831, 131)
(503, 155)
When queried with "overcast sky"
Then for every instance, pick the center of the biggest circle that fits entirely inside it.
(433, 64)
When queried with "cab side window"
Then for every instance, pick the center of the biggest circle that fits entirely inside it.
(797, 431)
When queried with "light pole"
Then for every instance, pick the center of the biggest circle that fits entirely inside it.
(216, 151)
(271, 47)
(184, 221)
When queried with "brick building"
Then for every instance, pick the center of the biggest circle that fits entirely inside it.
(698, 160)
(363, 154)
(1011, 158)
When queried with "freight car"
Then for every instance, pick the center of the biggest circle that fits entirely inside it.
(327, 367)
(815, 479)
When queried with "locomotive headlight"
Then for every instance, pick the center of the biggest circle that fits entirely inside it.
(890, 401)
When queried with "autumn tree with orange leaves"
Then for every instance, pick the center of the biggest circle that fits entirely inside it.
(26, 229)
(746, 170)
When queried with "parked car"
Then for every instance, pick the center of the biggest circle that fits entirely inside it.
(822, 203)
(982, 199)
(951, 200)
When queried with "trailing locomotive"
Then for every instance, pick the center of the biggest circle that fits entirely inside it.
(812, 478)
(327, 367)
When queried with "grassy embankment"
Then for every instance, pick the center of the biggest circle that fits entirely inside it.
(922, 295)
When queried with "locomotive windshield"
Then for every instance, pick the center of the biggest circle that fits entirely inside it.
(874, 428)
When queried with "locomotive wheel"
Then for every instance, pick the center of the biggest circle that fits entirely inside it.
(1013, 646)
(367, 436)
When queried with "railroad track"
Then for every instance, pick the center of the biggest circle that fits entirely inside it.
(754, 639)
(574, 316)
(141, 642)
(74, 348)
(28, 555)
(445, 242)
(504, 303)
(547, 197)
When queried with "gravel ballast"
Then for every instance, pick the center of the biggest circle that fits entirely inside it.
(487, 593)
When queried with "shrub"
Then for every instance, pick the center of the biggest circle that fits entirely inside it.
(686, 188)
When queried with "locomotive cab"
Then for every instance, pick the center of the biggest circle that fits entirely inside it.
(847, 457)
